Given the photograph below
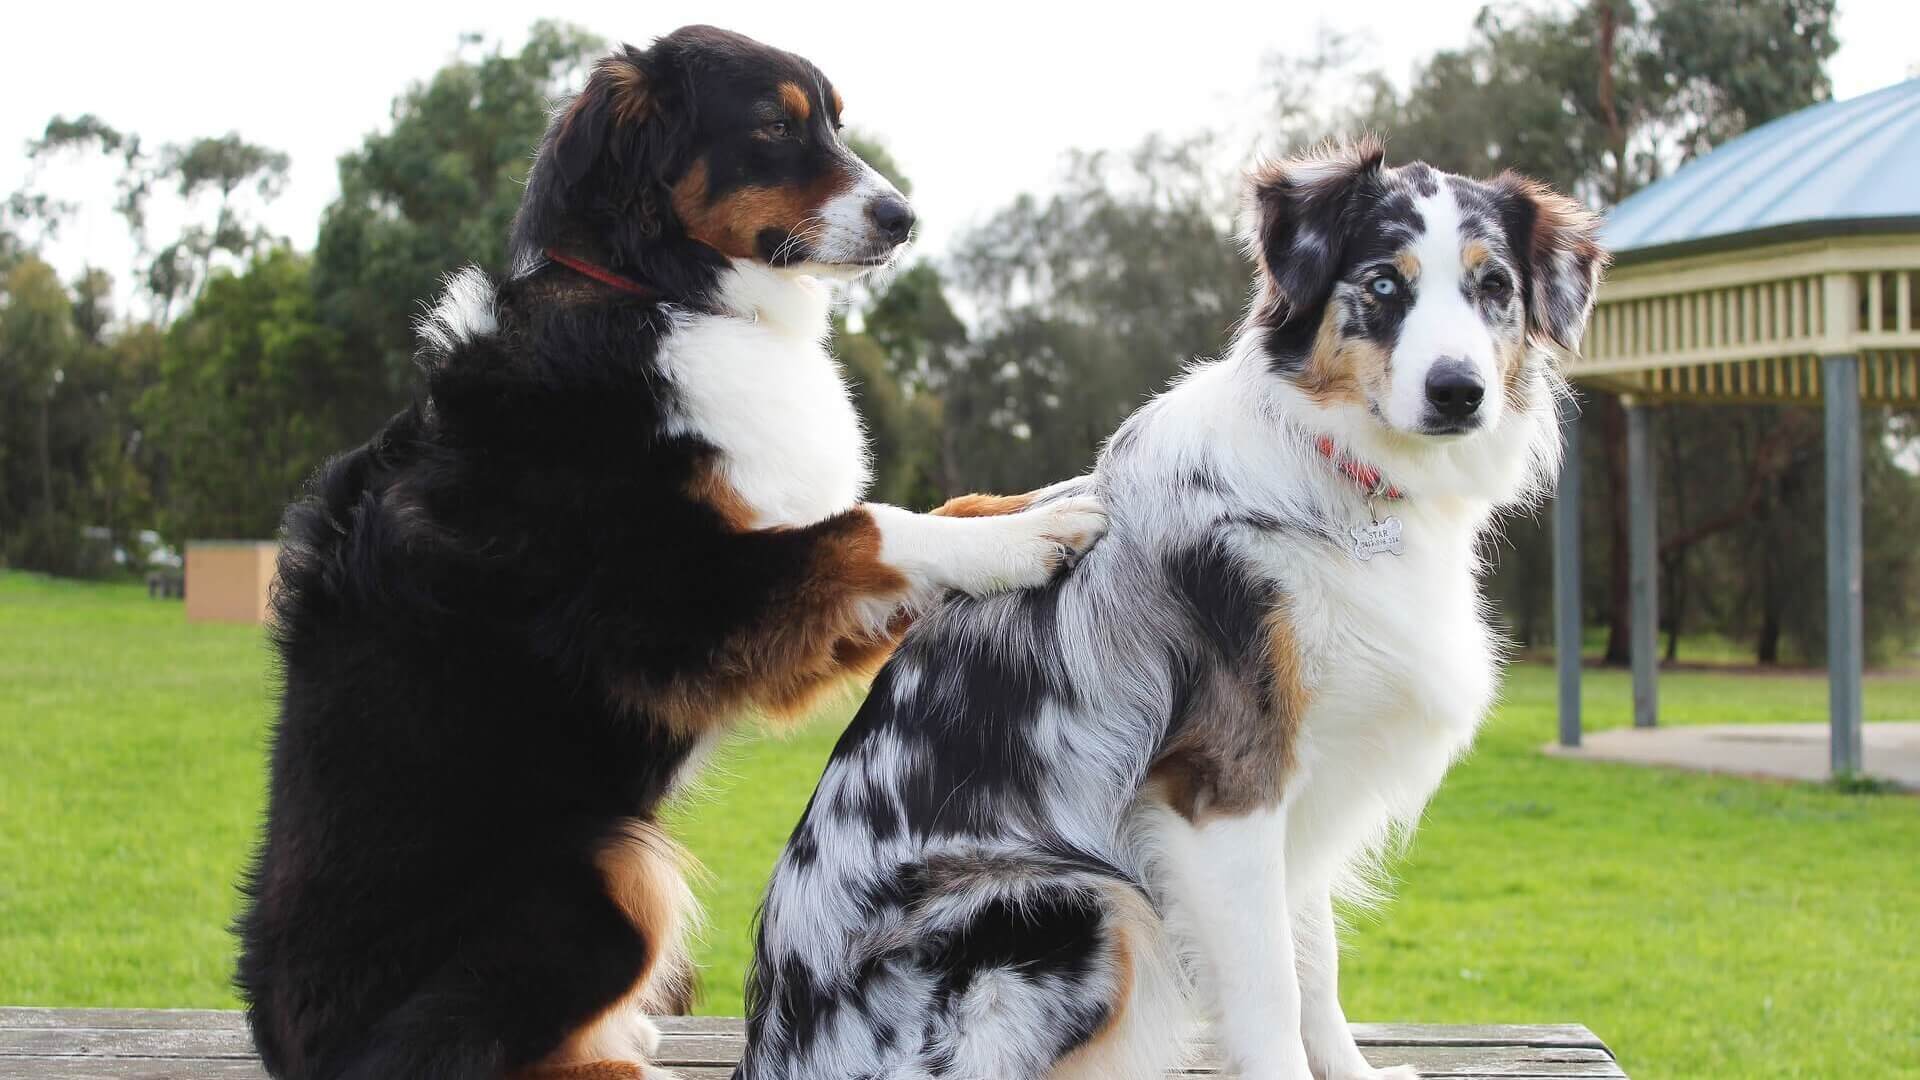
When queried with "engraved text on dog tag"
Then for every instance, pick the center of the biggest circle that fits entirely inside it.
(1375, 537)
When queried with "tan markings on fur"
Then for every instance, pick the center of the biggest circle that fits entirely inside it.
(1132, 927)
(1341, 370)
(781, 663)
(1511, 354)
(861, 655)
(1237, 746)
(977, 505)
(1559, 223)
(732, 223)
(711, 487)
(796, 102)
(645, 875)
(838, 105)
(628, 86)
(1408, 264)
(1286, 684)
(1474, 254)
(586, 1070)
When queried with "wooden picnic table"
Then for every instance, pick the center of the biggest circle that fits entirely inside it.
(191, 1044)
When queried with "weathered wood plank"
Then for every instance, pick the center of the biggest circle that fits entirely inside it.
(1367, 1034)
(686, 1042)
(198, 1044)
(17, 1016)
(128, 1068)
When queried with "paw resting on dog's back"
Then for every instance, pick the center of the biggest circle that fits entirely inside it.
(980, 555)
(1073, 524)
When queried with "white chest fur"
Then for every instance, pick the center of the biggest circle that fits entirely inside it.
(759, 384)
(1400, 670)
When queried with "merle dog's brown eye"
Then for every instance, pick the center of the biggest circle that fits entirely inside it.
(1496, 286)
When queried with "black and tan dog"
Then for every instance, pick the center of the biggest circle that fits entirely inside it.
(626, 508)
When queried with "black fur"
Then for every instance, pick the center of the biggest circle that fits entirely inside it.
(460, 602)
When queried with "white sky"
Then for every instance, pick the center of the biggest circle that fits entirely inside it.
(976, 100)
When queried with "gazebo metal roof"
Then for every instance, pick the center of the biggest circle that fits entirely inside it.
(1799, 240)
(1839, 167)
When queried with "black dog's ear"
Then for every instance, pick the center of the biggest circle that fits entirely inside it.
(1556, 242)
(1298, 215)
(618, 95)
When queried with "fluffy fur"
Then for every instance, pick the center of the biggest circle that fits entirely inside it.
(1070, 820)
(617, 518)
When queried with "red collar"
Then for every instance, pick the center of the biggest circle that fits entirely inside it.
(601, 274)
(1368, 477)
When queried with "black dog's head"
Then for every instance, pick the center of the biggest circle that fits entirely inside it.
(705, 147)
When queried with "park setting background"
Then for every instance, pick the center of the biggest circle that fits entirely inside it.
(192, 318)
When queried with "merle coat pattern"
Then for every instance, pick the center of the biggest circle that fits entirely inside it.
(1069, 820)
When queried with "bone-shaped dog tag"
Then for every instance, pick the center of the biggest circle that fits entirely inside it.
(1376, 538)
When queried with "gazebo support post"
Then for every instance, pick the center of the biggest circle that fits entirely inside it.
(1643, 639)
(1566, 572)
(1840, 389)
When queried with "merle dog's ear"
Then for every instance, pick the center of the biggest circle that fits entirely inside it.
(1557, 245)
(619, 99)
(1299, 212)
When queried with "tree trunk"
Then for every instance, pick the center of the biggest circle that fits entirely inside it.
(46, 453)
(1613, 431)
(1768, 650)
(1674, 607)
(1609, 24)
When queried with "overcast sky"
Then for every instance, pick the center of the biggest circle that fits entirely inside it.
(976, 100)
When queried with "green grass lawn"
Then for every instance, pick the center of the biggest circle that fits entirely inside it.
(1706, 927)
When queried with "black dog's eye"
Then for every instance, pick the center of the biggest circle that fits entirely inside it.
(1384, 286)
(779, 129)
(1496, 286)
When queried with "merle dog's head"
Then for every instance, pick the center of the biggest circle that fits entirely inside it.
(704, 147)
(1411, 295)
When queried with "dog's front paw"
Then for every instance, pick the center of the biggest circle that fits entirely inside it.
(1026, 549)
(1072, 526)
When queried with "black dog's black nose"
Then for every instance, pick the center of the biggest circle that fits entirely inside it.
(1454, 389)
(892, 216)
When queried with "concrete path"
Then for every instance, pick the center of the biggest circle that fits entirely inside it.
(1781, 751)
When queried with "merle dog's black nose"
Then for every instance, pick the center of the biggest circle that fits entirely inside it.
(892, 216)
(1454, 389)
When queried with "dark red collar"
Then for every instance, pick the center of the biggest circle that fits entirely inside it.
(1368, 477)
(601, 274)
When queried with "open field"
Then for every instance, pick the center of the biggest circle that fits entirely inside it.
(1706, 927)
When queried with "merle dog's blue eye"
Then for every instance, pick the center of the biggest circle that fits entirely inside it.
(1385, 286)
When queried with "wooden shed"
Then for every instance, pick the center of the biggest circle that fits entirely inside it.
(229, 580)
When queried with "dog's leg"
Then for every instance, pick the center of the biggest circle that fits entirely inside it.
(862, 654)
(1228, 876)
(1323, 1024)
(805, 605)
(979, 553)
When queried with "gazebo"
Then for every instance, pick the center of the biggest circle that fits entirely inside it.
(1783, 267)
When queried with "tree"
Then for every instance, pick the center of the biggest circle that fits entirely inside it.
(1089, 301)
(435, 192)
(65, 396)
(221, 166)
(248, 401)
